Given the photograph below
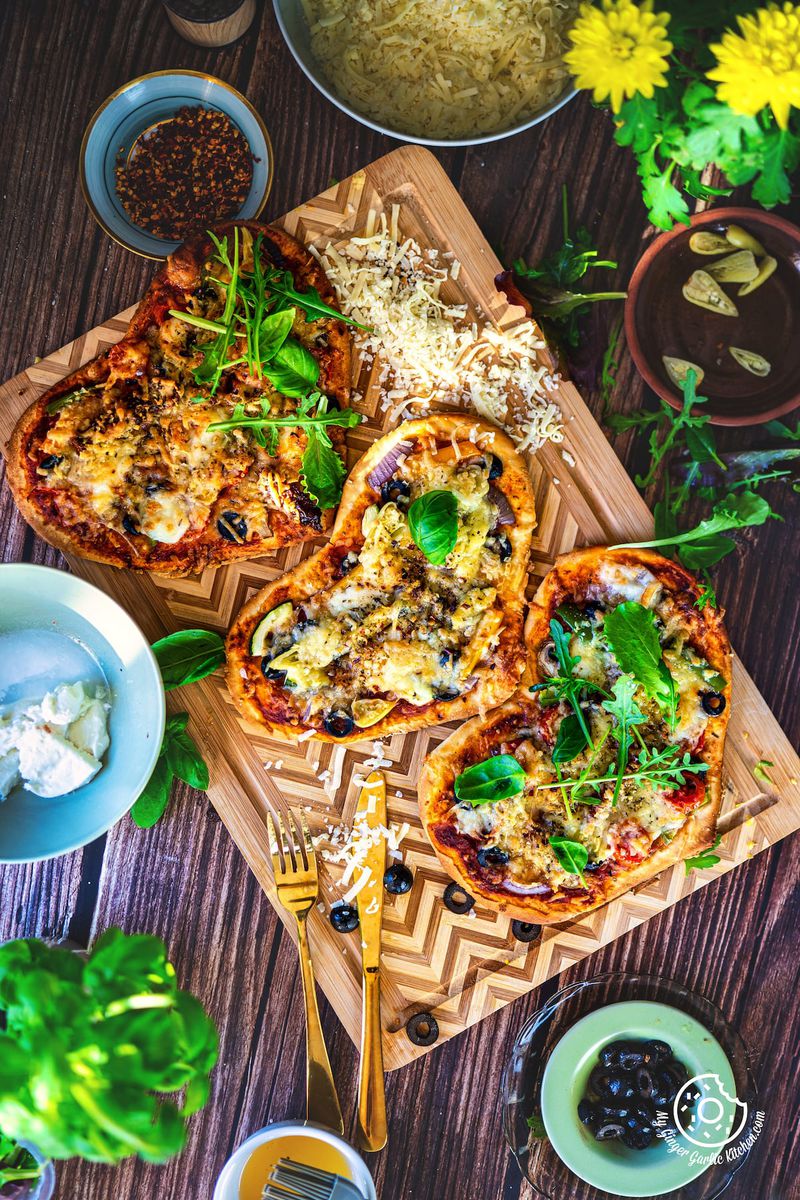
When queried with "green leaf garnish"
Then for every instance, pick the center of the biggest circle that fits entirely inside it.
(571, 740)
(280, 283)
(179, 756)
(632, 635)
(188, 655)
(573, 856)
(705, 859)
(496, 778)
(760, 771)
(734, 511)
(433, 521)
(626, 713)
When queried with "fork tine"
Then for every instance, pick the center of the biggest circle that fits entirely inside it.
(288, 845)
(311, 853)
(278, 867)
(299, 842)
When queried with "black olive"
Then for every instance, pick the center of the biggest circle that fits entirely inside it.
(272, 673)
(349, 561)
(49, 461)
(448, 658)
(396, 491)
(713, 703)
(495, 466)
(232, 527)
(630, 1058)
(398, 879)
(609, 1055)
(422, 1029)
(129, 525)
(609, 1130)
(339, 723)
(446, 693)
(206, 291)
(613, 1084)
(344, 918)
(655, 1050)
(151, 488)
(524, 931)
(645, 1082)
(638, 1139)
(643, 1113)
(614, 1112)
(587, 1113)
(591, 608)
(302, 619)
(457, 900)
(491, 856)
(500, 544)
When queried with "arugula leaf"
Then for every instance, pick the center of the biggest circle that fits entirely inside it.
(632, 635)
(665, 768)
(626, 713)
(188, 655)
(777, 429)
(734, 511)
(496, 778)
(571, 740)
(573, 856)
(536, 1125)
(705, 859)
(433, 521)
(322, 471)
(68, 398)
(706, 551)
(567, 686)
(280, 283)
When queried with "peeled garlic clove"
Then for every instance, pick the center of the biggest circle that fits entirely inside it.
(701, 289)
(766, 268)
(678, 368)
(740, 267)
(703, 242)
(756, 364)
(743, 240)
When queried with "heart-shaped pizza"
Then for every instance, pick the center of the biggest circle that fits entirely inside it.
(213, 430)
(605, 765)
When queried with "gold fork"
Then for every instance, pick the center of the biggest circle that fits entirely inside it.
(294, 864)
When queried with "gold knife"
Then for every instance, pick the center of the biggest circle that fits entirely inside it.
(371, 811)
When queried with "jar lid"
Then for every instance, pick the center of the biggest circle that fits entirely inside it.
(203, 12)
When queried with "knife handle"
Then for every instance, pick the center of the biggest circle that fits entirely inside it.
(372, 1132)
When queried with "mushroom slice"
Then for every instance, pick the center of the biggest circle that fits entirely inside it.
(740, 267)
(703, 242)
(678, 369)
(767, 267)
(743, 240)
(756, 364)
(702, 289)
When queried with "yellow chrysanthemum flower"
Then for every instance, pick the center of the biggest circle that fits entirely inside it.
(619, 49)
(761, 66)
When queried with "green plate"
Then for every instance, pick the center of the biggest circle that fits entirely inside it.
(610, 1165)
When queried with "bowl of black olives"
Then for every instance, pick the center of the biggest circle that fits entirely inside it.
(628, 1085)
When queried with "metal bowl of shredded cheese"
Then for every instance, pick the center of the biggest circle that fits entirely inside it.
(436, 72)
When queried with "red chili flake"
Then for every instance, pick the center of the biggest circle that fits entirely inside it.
(187, 173)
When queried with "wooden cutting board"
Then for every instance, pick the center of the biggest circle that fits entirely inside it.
(459, 968)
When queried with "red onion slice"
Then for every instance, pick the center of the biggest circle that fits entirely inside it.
(505, 513)
(389, 464)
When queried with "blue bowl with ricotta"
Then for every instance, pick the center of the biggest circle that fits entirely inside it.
(136, 107)
(79, 686)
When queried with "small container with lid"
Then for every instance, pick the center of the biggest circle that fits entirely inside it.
(211, 22)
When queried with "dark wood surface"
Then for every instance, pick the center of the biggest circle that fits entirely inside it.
(738, 941)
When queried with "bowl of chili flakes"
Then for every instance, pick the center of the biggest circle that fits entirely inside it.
(172, 152)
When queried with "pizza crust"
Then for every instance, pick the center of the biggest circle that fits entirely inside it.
(475, 740)
(267, 704)
(66, 522)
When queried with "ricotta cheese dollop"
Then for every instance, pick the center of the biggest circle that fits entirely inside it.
(57, 745)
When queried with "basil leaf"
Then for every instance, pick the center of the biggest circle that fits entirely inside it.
(632, 635)
(185, 760)
(496, 778)
(295, 357)
(322, 471)
(152, 802)
(571, 740)
(573, 856)
(188, 655)
(273, 332)
(285, 380)
(433, 521)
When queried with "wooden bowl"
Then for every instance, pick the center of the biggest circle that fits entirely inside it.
(659, 320)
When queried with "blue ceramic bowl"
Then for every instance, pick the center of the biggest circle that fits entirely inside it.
(56, 628)
(135, 107)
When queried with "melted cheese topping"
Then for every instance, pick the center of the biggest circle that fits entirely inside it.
(396, 626)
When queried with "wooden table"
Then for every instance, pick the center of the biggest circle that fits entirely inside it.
(738, 941)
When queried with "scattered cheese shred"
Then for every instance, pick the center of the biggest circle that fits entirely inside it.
(429, 350)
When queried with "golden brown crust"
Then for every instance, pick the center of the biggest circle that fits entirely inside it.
(570, 577)
(64, 520)
(268, 705)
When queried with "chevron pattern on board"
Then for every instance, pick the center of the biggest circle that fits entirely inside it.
(461, 967)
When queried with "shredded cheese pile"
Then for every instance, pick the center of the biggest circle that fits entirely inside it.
(428, 349)
(349, 847)
(443, 68)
